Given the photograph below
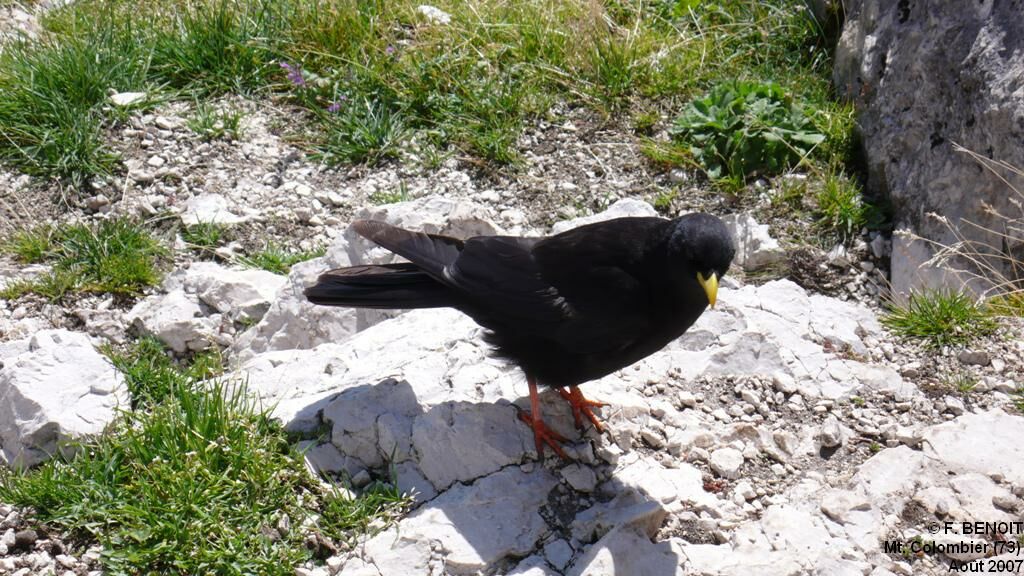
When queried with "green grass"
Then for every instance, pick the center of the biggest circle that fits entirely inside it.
(343, 518)
(962, 382)
(663, 202)
(51, 90)
(361, 133)
(114, 256)
(841, 208)
(667, 154)
(371, 74)
(644, 121)
(31, 245)
(205, 237)
(192, 484)
(212, 123)
(52, 285)
(216, 46)
(1009, 304)
(151, 375)
(940, 318)
(381, 197)
(790, 196)
(277, 259)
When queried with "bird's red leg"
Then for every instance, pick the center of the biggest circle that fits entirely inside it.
(581, 405)
(541, 433)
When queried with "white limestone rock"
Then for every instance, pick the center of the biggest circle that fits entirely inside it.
(103, 323)
(630, 507)
(625, 207)
(626, 552)
(242, 295)
(726, 462)
(837, 504)
(293, 323)
(178, 320)
(434, 15)
(209, 209)
(755, 248)
(965, 444)
(581, 478)
(54, 387)
(476, 525)
(124, 99)
(767, 329)
(558, 553)
(533, 566)
(458, 441)
(830, 433)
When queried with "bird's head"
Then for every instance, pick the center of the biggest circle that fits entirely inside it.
(703, 246)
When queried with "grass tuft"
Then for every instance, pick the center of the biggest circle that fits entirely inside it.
(962, 382)
(616, 69)
(344, 517)
(842, 210)
(205, 237)
(30, 246)
(278, 260)
(54, 89)
(151, 375)
(218, 46)
(114, 256)
(361, 133)
(381, 197)
(194, 484)
(211, 123)
(1008, 304)
(940, 318)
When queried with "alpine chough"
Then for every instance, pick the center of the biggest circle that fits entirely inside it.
(567, 308)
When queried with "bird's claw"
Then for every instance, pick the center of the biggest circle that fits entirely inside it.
(581, 406)
(543, 435)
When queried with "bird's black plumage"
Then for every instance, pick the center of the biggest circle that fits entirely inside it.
(567, 308)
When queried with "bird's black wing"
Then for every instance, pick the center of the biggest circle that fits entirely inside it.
(502, 275)
(605, 272)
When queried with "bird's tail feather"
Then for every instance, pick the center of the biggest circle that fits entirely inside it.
(401, 285)
(430, 252)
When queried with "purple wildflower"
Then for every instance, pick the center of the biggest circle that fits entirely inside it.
(390, 50)
(294, 74)
(336, 105)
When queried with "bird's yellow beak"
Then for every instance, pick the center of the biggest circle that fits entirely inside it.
(710, 286)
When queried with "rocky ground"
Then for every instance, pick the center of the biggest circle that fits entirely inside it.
(786, 433)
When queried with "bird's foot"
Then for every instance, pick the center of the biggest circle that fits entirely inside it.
(582, 407)
(543, 435)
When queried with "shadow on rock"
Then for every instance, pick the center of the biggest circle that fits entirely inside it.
(483, 504)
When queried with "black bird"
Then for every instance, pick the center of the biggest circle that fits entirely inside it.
(567, 308)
